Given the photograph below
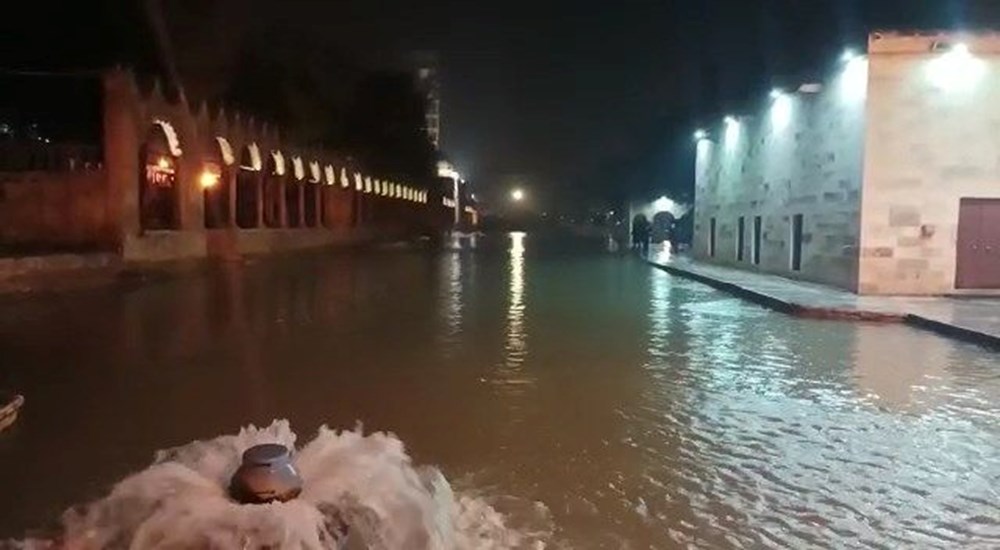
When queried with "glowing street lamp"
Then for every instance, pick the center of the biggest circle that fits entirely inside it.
(517, 195)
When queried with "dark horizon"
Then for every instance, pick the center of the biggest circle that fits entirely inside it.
(583, 105)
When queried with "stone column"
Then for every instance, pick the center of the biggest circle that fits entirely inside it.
(121, 154)
(230, 175)
(258, 178)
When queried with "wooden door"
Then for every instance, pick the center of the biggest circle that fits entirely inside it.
(978, 260)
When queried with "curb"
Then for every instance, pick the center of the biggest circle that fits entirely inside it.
(765, 300)
(799, 310)
(953, 331)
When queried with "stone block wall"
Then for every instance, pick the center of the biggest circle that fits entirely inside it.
(933, 138)
(131, 112)
(66, 209)
(798, 154)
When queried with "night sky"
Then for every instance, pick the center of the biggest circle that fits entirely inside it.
(577, 99)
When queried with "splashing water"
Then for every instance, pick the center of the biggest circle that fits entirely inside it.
(365, 481)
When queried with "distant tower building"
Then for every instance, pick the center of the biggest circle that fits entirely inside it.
(429, 83)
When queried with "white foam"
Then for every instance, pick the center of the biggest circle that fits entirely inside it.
(368, 480)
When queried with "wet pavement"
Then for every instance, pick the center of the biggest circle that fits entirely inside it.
(640, 410)
(973, 318)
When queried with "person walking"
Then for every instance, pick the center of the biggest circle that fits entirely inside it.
(640, 235)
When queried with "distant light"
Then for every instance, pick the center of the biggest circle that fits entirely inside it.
(700, 135)
(663, 204)
(446, 170)
(517, 195)
(777, 93)
(811, 88)
(956, 70)
(849, 55)
(208, 179)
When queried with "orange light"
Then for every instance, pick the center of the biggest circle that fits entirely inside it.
(163, 163)
(208, 179)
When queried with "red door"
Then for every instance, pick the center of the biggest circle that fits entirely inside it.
(978, 262)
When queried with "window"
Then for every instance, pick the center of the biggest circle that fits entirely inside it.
(711, 237)
(741, 237)
(758, 224)
(797, 242)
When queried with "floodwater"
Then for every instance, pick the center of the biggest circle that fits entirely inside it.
(637, 410)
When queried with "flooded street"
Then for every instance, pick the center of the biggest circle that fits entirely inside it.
(639, 410)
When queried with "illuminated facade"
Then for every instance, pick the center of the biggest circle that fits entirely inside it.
(882, 179)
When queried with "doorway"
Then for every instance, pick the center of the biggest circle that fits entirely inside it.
(978, 247)
(796, 258)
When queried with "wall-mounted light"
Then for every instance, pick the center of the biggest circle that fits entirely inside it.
(956, 70)
(781, 109)
(208, 179)
(732, 131)
(854, 79)
(700, 134)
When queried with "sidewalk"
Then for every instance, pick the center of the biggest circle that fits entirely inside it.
(972, 319)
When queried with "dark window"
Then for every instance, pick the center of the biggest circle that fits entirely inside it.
(711, 237)
(741, 237)
(757, 229)
(797, 242)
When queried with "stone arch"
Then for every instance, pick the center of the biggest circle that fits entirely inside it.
(159, 185)
(661, 227)
(248, 187)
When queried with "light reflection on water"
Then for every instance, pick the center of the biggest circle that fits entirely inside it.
(516, 344)
(643, 411)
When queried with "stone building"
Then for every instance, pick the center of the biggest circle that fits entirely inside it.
(883, 178)
(171, 181)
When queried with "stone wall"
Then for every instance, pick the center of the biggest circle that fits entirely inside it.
(799, 154)
(98, 206)
(933, 138)
(66, 209)
(352, 198)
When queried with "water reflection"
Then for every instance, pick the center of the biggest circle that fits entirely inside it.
(516, 342)
(511, 376)
(451, 301)
(651, 412)
(899, 375)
